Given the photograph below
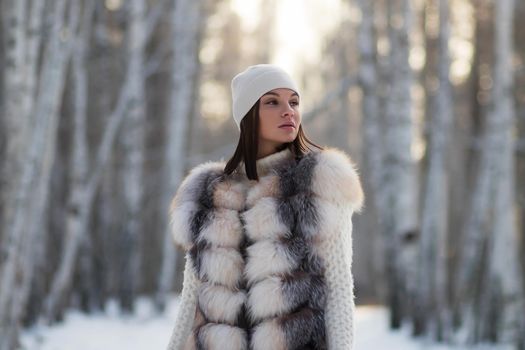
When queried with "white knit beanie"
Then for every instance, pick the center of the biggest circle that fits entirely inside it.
(248, 86)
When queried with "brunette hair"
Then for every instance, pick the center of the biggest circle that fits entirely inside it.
(248, 145)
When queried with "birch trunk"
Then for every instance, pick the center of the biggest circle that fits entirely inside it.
(502, 300)
(339, 127)
(16, 128)
(399, 176)
(28, 58)
(470, 261)
(373, 146)
(78, 199)
(187, 21)
(31, 192)
(14, 22)
(433, 314)
(520, 161)
(14, 38)
(36, 235)
(491, 220)
(133, 138)
(80, 162)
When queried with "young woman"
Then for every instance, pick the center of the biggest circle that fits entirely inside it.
(267, 235)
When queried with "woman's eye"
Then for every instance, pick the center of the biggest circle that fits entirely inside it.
(275, 102)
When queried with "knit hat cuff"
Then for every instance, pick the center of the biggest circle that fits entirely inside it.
(257, 87)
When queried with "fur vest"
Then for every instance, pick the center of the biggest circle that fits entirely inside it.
(253, 245)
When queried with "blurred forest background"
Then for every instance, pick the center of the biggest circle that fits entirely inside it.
(106, 104)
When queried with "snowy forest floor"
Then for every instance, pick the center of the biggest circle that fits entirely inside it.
(146, 329)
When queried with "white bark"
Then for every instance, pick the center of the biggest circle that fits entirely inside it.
(187, 21)
(20, 78)
(503, 292)
(13, 13)
(84, 197)
(373, 147)
(31, 192)
(399, 173)
(78, 198)
(433, 309)
(491, 218)
(14, 23)
(14, 38)
(133, 138)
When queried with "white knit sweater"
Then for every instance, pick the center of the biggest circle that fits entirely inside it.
(339, 313)
(336, 253)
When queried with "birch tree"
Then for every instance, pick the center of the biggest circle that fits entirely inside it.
(490, 221)
(433, 314)
(31, 191)
(14, 38)
(398, 175)
(83, 192)
(79, 199)
(373, 146)
(133, 138)
(187, 21)
(502, 295)
(14, 23)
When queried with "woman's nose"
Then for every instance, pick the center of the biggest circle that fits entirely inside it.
(288, 110)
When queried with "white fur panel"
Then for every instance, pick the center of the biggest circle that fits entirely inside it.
(335, 178)
(224, 229)
(268, 335)
(265, 299)
(267, 258)
(219, 303)
(180, 220)
(267, 186)
(229, 194)
(221, 337)
(262, 221)
(222, 265)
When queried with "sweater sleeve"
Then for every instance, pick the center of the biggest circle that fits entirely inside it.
(337, 254)
(186, 309)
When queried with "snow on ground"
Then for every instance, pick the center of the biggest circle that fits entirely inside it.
(146, 330)
(372, 333)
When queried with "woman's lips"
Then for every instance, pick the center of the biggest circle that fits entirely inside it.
(287, 127)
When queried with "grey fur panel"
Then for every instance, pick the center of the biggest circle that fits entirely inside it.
(302, 288)
(297, 207)
(306, 287)
(305, 329)
(203, 192)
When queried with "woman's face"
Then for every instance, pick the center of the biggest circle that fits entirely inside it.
(279, 119)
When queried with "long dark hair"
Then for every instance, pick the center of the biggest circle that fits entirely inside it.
(248, 145)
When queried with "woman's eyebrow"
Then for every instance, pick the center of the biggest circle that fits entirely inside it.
(276, 94)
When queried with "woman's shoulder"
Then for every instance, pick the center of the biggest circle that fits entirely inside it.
(198, 178)
(335, 177)
(194, 188)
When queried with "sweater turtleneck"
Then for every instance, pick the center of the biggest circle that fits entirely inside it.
(267, 163)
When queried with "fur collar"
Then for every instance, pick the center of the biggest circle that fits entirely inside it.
(335, 179)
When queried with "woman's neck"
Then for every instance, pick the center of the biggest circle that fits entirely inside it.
(268, 162)
(265, 149)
